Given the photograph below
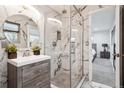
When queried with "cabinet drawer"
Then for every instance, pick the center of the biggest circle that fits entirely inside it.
(32, 71)
(37, 82)
(33, 66)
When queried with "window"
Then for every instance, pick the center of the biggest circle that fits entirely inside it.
(11, 26)
(33, 34)
(11, 31)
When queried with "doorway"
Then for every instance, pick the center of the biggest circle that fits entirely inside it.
(103, 46)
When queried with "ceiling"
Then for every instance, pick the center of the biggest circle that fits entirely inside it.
(103, 20)
(57, 9)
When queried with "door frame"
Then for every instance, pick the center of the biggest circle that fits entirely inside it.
(117, 40)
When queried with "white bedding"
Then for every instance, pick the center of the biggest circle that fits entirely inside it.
(93, 53)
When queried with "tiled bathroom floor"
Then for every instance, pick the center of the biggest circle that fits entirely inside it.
(62, 79)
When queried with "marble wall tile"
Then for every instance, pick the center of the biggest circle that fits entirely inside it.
(3, 68)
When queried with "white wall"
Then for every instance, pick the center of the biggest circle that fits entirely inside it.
(100, 37)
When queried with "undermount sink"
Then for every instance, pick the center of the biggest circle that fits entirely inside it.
(20, 61)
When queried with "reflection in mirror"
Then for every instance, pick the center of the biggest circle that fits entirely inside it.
(11, 26)
(33, 35)
(21, 31)
(12, 36)
(11, 31)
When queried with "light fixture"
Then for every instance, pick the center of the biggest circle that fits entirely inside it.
(55, 20)
(64, 11)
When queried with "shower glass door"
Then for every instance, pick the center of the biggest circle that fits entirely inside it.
(63, 42)
(57, 45)
(76, 47)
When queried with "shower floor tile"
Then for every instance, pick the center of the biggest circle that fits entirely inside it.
(62, 79)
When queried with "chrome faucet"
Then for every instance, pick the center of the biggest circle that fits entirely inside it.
(26, 53)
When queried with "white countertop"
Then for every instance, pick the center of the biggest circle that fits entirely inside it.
(21, 61)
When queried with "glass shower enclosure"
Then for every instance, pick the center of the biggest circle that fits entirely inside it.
(63, 42)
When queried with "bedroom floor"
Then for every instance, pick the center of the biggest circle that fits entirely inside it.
(103, 72)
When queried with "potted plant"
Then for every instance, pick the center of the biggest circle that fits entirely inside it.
(12, 51)
(36, 50)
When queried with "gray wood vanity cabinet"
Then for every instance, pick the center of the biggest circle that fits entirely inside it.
(34, 75)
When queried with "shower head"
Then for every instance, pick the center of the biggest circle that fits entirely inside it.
(64, 11)
(100, 6)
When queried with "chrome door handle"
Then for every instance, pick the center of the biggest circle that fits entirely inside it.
(117, 55)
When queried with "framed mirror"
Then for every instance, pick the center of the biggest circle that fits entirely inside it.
(21, 31)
